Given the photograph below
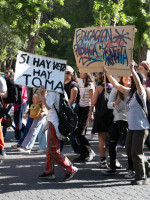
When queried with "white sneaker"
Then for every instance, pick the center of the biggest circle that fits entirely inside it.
(130, 174)
(91, 156)
(41, 151)
(102, 164)
(26, 151)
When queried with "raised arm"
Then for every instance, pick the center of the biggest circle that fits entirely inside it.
(136, 78)
(115, 83)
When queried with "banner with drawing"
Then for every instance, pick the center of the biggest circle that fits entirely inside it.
(96, 47)
(35, 70)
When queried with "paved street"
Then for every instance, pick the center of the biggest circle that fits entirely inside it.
(19, 178)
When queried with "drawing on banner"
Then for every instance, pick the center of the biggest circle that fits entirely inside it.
(34, 70)
(103, 46)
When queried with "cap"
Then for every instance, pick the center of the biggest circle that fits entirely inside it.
(145, 64)
(69, 69)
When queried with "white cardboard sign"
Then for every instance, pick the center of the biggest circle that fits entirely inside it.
(148, 56)
(35, 70)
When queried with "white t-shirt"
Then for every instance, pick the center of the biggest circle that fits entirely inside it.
(51, 99)
(84, 95)
(136, 117)
(3, 86)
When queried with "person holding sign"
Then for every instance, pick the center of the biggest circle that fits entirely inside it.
(53, 138)
(138, 124)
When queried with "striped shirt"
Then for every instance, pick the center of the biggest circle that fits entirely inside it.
(84, 95)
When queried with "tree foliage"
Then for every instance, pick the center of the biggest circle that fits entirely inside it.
(28, 20)
(47, 27)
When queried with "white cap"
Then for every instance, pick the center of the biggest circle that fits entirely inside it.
(69, 69)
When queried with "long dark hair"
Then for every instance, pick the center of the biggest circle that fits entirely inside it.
(74, 77)
(120, 94)
(133, 86)
(88, 80)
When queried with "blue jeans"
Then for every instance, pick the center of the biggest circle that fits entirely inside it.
(35, 129)
(26, 130)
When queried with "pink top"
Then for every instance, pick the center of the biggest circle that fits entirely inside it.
(147, 82)
(24, 97)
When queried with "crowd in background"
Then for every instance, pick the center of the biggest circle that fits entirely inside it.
(110, 102)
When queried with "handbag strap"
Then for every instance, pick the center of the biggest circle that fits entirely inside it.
(141, 104)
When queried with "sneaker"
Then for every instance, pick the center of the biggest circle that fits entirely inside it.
(1, 162)
(16, 146)
(2, 153)
(109, 172)
(41, 151)
(14, 139)
(130, 174)
(69, 176)
(148, 172)
(140, 182)
(23, 150)
(102, 164)
(47, 176)
(118, 165)
(120, 146)
(91, 156)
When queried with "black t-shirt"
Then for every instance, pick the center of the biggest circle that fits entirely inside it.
(69, 86)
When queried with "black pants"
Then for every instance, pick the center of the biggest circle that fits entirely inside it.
(118, 129)
(83, 114)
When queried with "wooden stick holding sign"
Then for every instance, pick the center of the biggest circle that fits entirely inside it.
(100, 21)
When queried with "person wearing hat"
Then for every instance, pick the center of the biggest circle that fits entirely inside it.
(138, 124)
(144, 68)
(72, 89)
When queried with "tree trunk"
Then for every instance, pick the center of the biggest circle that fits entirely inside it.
(142, 51)
(32, 42)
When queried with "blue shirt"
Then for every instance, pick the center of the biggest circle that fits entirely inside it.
(136, 117)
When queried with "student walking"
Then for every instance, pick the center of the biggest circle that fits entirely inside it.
(53, 139)
(137, 123)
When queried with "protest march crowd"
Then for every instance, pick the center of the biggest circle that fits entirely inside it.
(118, 107)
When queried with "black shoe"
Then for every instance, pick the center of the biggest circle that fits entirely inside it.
(70, 175)
(47, 176)
(109, 172)
(2, 153)
(79, 159)
(140, 182)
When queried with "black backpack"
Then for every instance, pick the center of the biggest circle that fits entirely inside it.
(67, 118)
(12, 92)
(78, 95)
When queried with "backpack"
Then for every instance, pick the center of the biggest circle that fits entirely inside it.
(78, 95)
(67, 118)
(12, 92)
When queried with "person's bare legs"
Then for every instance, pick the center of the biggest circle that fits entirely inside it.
(102, 149)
